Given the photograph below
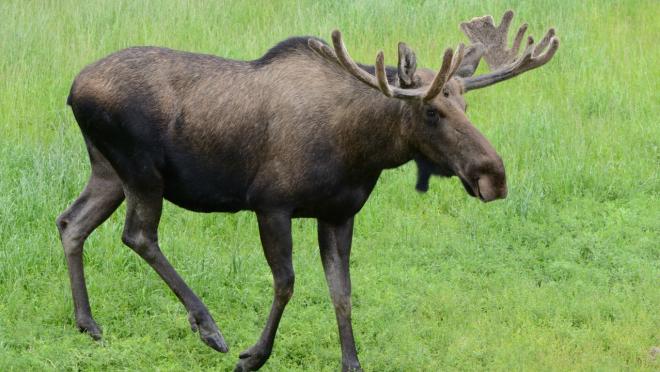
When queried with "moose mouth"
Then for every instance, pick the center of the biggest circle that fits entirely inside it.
(473, 189)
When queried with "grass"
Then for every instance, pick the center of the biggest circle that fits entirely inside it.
(562, 275)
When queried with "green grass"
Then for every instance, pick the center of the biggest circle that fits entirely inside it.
(562, 275)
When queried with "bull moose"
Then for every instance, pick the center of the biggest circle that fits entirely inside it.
(303, 131)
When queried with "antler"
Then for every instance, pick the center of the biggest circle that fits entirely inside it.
(503, 61)
(450, 64)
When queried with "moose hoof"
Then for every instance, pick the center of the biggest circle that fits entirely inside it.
(89, 326)
(215, 341)
(351, 368)
(208, 331)
(252, 359)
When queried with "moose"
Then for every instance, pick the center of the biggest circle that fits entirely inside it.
(302, 132)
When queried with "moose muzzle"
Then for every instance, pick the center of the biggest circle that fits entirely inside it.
(486, 181)
(491, 187)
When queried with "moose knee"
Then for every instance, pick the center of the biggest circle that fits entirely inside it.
(142, 244)
(71, 236)
(343, 305)
(284, 285)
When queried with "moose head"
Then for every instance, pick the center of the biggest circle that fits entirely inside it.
(447, 142)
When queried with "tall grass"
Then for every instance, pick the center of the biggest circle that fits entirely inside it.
(562, 275)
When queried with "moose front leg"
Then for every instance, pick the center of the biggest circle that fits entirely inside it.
(335, 244)
(275, 233)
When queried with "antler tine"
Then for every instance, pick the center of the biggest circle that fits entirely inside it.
(544, 42)
(456, 60)
(518, 39)
(381, 76)
(540, 60)
(441, 76)
(322, 49)
(507, 17)
(347, 62)
(450, 63)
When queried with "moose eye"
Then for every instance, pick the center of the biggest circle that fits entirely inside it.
(432, 116)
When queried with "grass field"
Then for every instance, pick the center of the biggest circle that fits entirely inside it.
(562, 275)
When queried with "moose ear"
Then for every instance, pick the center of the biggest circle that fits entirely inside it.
(471, 60)
(407, 66)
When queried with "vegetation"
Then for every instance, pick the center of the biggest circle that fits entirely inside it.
(562, 275)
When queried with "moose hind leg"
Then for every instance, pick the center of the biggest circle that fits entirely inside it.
(101, 197)
(335, 245)
(140, 234)
(275, 233)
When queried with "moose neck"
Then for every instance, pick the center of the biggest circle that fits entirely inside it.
(374, 131)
